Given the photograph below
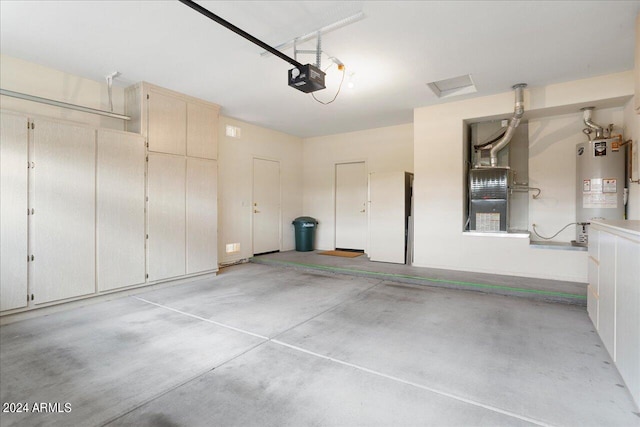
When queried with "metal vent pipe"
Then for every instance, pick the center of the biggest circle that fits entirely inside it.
(518, 112)
(590, 124)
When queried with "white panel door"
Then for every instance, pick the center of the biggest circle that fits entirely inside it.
(387, 217)
(64, 222)
(167, 221)
(351, 203)
(13, 211)
(266, 206)
(202, 215)
(167, 127)
(202, 131)
(120, 209)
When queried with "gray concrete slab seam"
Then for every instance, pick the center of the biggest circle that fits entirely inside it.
(345, 363)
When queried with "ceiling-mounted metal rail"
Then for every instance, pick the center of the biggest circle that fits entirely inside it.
(195, 6)
(62, 104)
(321, 31)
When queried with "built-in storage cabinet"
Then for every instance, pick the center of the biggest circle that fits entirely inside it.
(613, 300)
(14, 166)
(173, 123)
(120, 203)
(167, 125)
(63, 220)
(202, 130)
(202, 215)
(182, 214)
(167, 216)
(87, 211)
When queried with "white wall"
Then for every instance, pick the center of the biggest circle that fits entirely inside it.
(438, 185)
(33, 79)
(388, 149)
(632, 131)
(235, 188)
(552, 168)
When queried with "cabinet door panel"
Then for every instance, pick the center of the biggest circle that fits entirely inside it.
(166, 178)
(202, 128)
(628, 314)
(167, 129)
(202, 217)
(120, 210)
(387, 217)
(13, 211)
(64, 203)
(606, 292)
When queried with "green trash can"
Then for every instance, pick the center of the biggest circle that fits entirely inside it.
(305, 228)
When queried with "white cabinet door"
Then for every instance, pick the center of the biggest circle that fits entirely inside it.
(387, 217)
(607, 292)
(351, 202)
(120, 210)
(167, 127)
(167, 223)
(13, 211)
(64, 201)
(202, 215)
(628, 313)
(202, 131)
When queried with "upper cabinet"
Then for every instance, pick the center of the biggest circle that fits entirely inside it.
(173, 123)
(167, 125)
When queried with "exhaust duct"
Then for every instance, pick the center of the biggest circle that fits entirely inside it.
(518, 112)
(587, 111)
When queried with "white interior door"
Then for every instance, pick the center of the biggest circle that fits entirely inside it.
(13, 211)
(351, 204)
(387, 217)
(266, 206)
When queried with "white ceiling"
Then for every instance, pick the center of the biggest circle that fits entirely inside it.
(394, 51)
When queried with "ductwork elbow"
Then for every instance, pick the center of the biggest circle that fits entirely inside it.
(587, 111)
(518, 112)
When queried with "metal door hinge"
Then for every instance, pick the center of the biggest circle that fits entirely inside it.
(147, 276)
(146, 198)
(147, 236)
(32, 257)
(31, 297)
(147, 96)
(147, 158)
(33, 125)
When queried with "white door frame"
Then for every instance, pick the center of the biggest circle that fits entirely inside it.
(270, 159)
(335, 195)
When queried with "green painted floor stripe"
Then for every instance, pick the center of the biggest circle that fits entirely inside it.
(406, 276)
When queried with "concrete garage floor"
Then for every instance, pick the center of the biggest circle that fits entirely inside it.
(272, 346)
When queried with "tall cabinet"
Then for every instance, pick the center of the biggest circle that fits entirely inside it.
(71, 211)
(181, 135)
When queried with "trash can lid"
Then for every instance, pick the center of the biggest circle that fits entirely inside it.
(305, 219)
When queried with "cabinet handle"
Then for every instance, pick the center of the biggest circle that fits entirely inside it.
(256, 211)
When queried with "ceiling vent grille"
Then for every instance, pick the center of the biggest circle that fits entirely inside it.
(454, 86)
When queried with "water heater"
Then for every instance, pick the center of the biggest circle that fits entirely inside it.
(600, 183)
